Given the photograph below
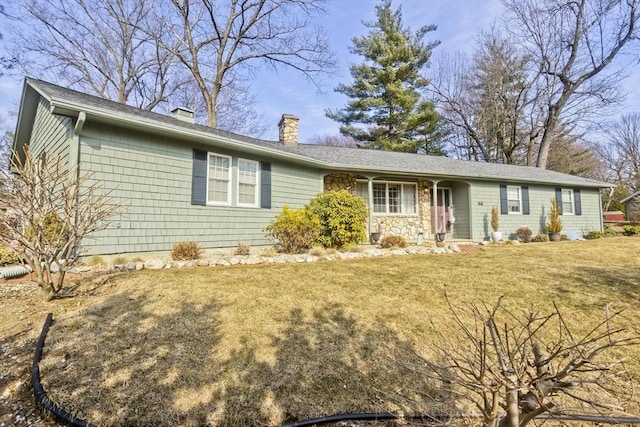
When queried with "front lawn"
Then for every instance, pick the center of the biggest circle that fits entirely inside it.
(267, 344)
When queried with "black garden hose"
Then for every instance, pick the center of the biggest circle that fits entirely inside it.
(39, 392)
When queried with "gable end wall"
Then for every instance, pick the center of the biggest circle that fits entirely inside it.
(150, 177)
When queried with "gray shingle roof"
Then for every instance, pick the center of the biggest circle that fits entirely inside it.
(324, 157)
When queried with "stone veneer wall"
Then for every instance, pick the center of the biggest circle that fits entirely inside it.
(406, 226)
(340, 181)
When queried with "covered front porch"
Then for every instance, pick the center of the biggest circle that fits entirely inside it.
(406, 206)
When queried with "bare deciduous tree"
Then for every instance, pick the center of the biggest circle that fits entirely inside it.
(219, 43)
(514, 368)
(338, 140)
(49, 210)
(488, 100)
(572, 44)
(621, 151)
(99, 47)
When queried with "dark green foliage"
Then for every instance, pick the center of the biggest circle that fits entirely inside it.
(609, 231)
(631, 230)
(294, 230)
(388, 242)
(595, 234)
(342, 218)
(185, 251)
(385, 94)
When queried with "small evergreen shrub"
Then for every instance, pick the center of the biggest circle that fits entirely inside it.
(8, 256)
(186, 250)
(243, 249)
(631, 230)
(564, 237)
(609, 231)
(342, 218)
(388, 242)
(294, 229)
(541, 237)
(554, 223)
(595, 234)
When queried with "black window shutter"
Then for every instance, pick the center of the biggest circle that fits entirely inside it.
(559, 199)
(199, 178)
(504, 204)
(265, 185)
(578, 202)
(525, 200)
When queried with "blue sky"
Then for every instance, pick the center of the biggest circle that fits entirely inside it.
(458, 21)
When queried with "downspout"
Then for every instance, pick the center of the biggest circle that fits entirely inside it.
(74, 154)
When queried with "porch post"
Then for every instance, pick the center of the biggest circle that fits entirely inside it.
(370, 201)
(434, 207)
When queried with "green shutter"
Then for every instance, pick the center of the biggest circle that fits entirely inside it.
(525, 200)
(504, 203)
(265, 185)
(559, 199)
(199, 178)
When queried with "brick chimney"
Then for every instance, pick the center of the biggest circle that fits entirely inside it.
(288, 127)
(184, 114)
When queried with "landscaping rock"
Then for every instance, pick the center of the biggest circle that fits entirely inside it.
(454, 248)
(155, 264)
(203, 262)
(139, 266)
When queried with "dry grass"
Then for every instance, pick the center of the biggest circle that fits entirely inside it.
(268, 344)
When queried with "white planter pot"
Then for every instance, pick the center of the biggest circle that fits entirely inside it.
(496, 236)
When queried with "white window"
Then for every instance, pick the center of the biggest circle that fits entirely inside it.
(219, 180)
(393, 198)
(514, 199)
(247, 183)
(567, 202)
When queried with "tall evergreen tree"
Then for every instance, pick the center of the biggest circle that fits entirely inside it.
(386, 110)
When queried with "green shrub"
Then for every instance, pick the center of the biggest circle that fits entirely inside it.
(564, 237)
(342, 218)
(54, 230)
(393, 242)
(595, 234)
(243, 249)
(554, 223)
(609, 231)
(294, 230)
(185, 251)
(8, 256)
(541, 237)
(631, 230)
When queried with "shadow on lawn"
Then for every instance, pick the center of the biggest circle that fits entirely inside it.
(624, 281)
(127, 363)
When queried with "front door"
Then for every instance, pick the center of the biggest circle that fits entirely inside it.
(443, 211)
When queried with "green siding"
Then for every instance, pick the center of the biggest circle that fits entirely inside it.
(150, 177)
(484, 195)
(51, 133)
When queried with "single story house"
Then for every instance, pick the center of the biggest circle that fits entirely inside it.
(178, 180)
(632, 207)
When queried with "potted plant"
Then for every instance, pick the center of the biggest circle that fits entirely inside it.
(375, 236)
(496, 235)
(524, 234)
(554, 224)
